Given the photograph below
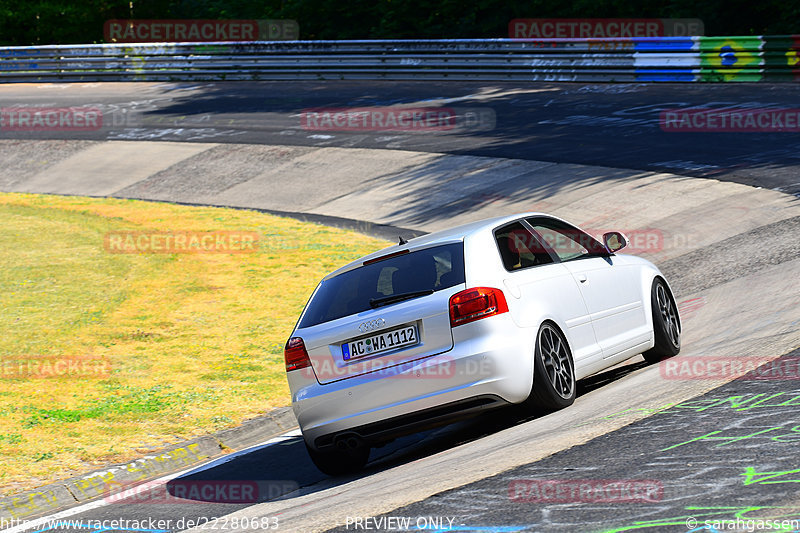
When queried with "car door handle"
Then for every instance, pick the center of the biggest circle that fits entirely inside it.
(582, 278)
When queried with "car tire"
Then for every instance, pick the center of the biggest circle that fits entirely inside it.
(339, 462)
(554, 382)
(666, 323)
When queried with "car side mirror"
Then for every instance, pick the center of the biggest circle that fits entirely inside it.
(614, 241)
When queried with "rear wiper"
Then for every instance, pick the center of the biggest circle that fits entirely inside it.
(386, 300)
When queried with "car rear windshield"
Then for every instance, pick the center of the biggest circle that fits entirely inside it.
(430, 269)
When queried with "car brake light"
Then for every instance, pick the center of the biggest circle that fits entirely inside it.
(476, 303)
(295, 354)
(384, 257)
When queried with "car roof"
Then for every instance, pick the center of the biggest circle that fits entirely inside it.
(454, 234)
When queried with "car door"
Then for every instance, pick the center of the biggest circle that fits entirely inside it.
(609, 288)
(545, 288)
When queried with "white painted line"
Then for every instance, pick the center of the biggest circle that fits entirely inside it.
(47, 520)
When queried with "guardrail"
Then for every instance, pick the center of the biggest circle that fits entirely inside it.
(646, 59)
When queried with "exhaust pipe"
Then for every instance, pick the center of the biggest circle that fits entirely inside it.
(349, 441)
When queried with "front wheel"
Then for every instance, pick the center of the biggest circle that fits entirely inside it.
(339, 462)
(666, 324)
(553, 371)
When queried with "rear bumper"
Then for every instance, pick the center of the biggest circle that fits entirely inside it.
(490, 365)
(385, 430)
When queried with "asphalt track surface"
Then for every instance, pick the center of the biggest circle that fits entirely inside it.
(633, 422)
(696, 458)
(613, 125)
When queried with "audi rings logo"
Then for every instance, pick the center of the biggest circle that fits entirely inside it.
(372, 324)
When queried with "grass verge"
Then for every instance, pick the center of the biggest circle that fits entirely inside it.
(191, 343)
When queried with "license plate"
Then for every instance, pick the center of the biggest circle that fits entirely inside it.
(380, 342)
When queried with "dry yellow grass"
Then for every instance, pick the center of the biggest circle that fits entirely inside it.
(194, 342)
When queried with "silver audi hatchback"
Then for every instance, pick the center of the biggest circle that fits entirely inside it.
(510, 310)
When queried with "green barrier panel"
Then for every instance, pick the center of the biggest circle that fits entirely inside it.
(782, 57)
(731, 58)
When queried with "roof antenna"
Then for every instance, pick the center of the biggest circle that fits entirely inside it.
(402, 241)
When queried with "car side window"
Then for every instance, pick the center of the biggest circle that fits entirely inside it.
(566, 241)
(519, 247)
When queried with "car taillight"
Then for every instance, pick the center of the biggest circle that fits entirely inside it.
(476, 303)
(295, 354)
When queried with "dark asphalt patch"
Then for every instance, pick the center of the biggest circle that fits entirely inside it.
(611, 125)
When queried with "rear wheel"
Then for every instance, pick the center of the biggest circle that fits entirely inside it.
(553, 371)
(666, 324)
(337, 462)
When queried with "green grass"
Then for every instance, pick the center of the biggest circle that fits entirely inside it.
(193, 342)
